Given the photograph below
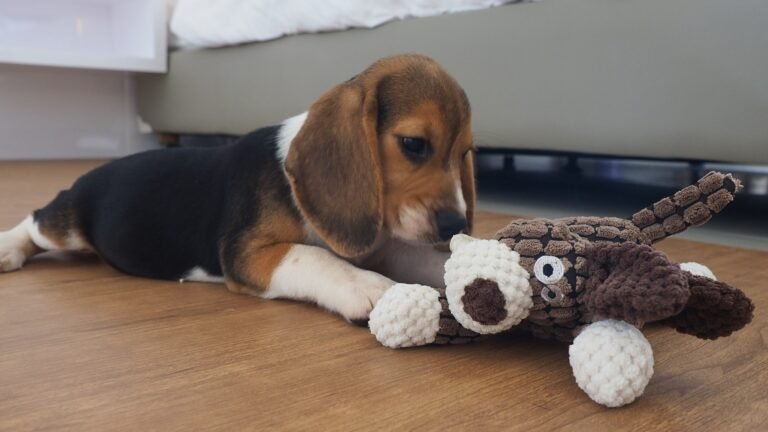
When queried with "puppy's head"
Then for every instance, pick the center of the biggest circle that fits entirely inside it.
(390, 149)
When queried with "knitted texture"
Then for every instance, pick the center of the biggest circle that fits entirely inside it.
(637, 284)
(555, 277)
(451, 331)
(489, 267)
(697, 269)
(406, 315)
(555, 311)
(714, 310)
(484, 302)
(612, 362)
(693, 205)
(412, 315)
(634, 283)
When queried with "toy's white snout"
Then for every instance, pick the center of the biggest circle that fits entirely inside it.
(488, 291)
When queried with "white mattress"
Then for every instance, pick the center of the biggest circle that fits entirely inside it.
(205, 23)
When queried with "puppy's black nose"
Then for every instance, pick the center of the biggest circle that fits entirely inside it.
(450, 223)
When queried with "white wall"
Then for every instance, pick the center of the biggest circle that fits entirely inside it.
(60, 113)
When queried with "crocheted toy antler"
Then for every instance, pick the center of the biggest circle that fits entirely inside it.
(558, 277)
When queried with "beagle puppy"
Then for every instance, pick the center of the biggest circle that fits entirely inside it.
(331, 206)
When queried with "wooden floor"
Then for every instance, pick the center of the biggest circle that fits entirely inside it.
(84, 348)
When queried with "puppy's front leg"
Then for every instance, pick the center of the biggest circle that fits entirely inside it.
(310, 273)
(413, 264)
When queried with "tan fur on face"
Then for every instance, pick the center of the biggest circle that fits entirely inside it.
(414, 192)
(346, 168)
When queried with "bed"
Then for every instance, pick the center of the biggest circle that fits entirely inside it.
(667, 79)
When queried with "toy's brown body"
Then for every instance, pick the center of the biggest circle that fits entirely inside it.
(591, 281)
(611, 271)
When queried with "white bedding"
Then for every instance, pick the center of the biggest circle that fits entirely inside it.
(207, 23)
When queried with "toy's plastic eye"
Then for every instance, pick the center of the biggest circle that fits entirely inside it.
(551, 294)
(548, 269)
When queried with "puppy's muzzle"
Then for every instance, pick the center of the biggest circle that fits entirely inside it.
(450, 223)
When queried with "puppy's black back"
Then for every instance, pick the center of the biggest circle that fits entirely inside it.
(161, 213)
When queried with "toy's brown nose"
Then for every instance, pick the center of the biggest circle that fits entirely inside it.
(484, 302)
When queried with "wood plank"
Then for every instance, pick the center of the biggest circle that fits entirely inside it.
(83, 347)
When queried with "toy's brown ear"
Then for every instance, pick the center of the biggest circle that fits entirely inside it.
(334, 169)
(715, 309)
(634, 283)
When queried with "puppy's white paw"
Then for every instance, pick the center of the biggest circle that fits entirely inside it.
(12, 254)
(11, 260)
(361, 296)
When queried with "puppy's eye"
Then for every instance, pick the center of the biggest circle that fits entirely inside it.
(548, 269)
(415, 148)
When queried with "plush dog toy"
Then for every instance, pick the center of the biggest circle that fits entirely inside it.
(592, 281)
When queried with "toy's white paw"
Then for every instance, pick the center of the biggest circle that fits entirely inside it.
(612, 362)
(406, 315)
(697, 269)
(488, 291)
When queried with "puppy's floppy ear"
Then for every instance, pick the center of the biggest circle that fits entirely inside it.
(468, 187)
(334, 169)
